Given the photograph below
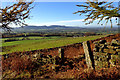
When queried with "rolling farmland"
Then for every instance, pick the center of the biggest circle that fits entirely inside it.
(36, 43)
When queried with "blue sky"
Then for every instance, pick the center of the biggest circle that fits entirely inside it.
(57, 13)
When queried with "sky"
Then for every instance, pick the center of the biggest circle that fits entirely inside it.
(57, 13)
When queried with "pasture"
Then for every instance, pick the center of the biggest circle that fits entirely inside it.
(36, 43)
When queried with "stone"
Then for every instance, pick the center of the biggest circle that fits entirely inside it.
(116, 47)
(44, 59)
(96, 42)
(102, 59)
(102, 41)
(101, 64)
(87, 55)
(114, 41)
(114, 57)
(118, 43)
(81, 56)
(96, 45)
(111, 47)
(108, 43)
(102, 45)
(101, 49)
(119, 54)
(98, 65)
(105, 64)
(49, 56)
(61, 54)
(112, 51)
(112, 63)
(95, 49)
(35, 55)
(113, 44)
(106, 50)
(109, 51)
(100, 54)
(96, 57)
(53, 67)
(118, 50)
(54, 60)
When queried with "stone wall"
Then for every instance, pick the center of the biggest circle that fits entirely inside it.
(106, 54)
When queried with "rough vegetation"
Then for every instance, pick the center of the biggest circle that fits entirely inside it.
(49, 65)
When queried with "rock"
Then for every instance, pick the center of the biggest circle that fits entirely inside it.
(113, 44)
(110, 47)
(112, 51)
(87, 55)
(96, 57)
(96, 49)
(114, 41)
(106, 54)
(108, 43)
(109, 51)
(101, 64)
(96, 42)
(114, 57)
(102, 45)
(98, 65)
(112, 63)
(35, 55)
(61, 53)
(119, 54)
(49, 56)
(101, 50)
(54, 60)
(118, 50)
(105, 64)
(102, 59)
(117, 47)
(53, 67)
(81, 56)
(102, 41)
(11, 75)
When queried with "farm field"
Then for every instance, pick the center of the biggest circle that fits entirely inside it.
(36, 43)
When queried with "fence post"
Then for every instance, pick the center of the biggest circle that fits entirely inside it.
(87, 55)
(61, 54)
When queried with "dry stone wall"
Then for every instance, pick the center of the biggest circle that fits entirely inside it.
(106, 54)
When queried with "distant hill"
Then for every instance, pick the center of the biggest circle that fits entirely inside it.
(65, 29)
(47, 27)
(39, 28)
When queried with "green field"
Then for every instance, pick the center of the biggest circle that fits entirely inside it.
(42, 43)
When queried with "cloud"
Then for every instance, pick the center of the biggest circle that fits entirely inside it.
(64, 22)
(71, 21)
(78, 22)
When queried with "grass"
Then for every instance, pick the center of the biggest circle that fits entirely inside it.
(43, 42)
(40, 39)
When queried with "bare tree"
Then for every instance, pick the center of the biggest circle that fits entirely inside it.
(15, 14)
(99, 11)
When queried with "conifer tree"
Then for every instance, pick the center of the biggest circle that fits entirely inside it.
(95, 10)
(15, 14)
